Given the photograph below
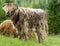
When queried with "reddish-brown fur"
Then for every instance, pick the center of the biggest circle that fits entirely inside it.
(7, 28)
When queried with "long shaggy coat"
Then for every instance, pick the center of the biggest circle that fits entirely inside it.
(25, 19)
(7, 28)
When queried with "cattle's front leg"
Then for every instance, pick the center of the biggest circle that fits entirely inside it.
(35, 33)
(25, 30)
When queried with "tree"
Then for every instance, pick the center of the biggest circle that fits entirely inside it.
(53, 7)
(54, 16)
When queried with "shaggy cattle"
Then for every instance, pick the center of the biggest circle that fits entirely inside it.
(25, 19)
(7, 28)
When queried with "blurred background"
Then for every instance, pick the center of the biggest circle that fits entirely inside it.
(52, 8)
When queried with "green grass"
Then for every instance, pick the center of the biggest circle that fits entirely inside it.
(50, 41)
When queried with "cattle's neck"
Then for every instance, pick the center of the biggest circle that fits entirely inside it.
(15, 17)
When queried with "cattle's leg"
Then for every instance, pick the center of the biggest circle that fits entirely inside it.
(34, 30)
(46, 27)
(40, 33)
(19, 34)
(25, 30)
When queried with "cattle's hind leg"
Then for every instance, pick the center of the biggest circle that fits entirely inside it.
(39, 32)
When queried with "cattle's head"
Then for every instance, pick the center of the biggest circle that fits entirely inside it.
(9, 8)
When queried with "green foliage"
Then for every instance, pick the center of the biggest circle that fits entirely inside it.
(2, 14)
(54, 24)
(53, 7)
(36, 4)
(54, 17)
(29, 3)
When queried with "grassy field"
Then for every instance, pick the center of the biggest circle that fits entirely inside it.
(50, 41)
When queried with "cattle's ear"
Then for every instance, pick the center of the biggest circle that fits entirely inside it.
(15, 6)
(15, 18)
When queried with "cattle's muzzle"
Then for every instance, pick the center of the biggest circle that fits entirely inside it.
(8, 14)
